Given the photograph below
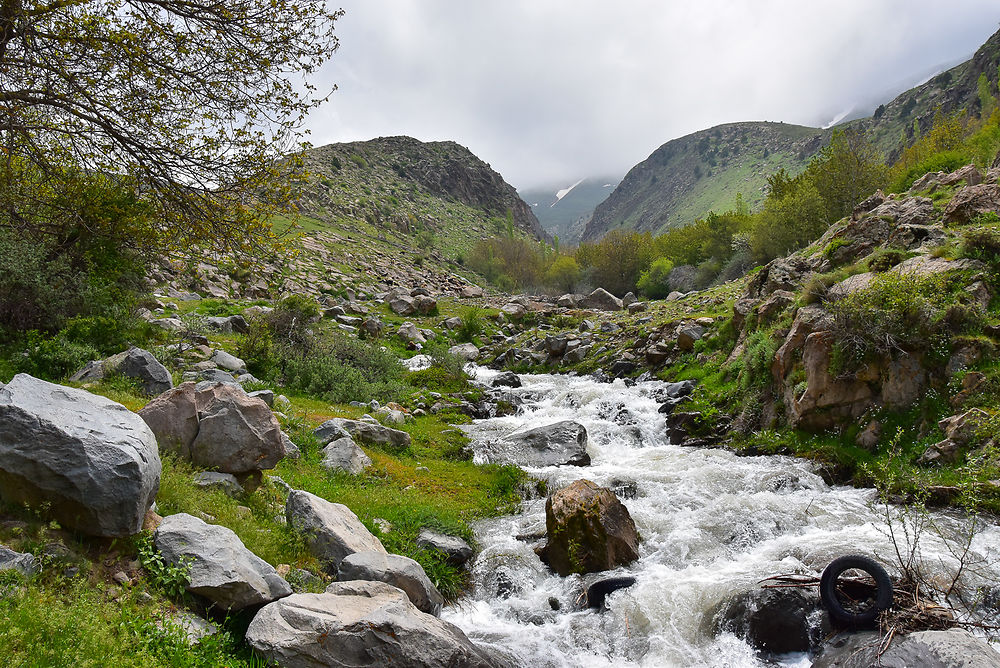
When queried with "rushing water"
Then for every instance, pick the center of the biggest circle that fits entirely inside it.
(711, 523)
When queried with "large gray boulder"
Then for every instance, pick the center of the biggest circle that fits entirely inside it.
(332, 530)
(223, 570)
(363, 432)
(360, 624)
(216, 426)
(345, 455)
(456, 550)
(93, 462)
(399, 571)
(555, 444)
(924, 649)
(466, 351)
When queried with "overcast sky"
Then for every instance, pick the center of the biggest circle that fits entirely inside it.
(549, 91)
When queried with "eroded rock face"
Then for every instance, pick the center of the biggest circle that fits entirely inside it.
(223, 570)
(94, 462)
(399, 571)
(361, 624)
(555, 444)
(216, 426)
(971, 201)
(589, 530)
(826, 399)
(332, 531)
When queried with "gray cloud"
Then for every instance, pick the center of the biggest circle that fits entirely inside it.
(548, 91)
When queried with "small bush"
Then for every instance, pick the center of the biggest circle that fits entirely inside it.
(982, 243)
(342, 370)
(945, 161)
(885, 259)
(655, 281)
(472, 325)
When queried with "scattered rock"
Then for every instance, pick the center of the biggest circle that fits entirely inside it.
(454, 548)
(953, 648)
(687, 335)
(506, 379)
(364, 432)
(229, 362)
(224, 482)
(466, 351)
(361, 624)
(194, 628)
(332, 531)
(133, 363)
(402, 305)
(25, 564)
(398, 571)
(223, 570)
(777, 621)
(91, 461)
(601, 300)
(344, 454)
(408, 332)
(589, 530)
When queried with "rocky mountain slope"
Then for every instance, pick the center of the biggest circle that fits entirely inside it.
(565, 209)
(411, 187)
(687, 177)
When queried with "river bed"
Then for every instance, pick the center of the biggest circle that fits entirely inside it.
(711, 524)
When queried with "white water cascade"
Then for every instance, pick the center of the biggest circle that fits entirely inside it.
(711, 524)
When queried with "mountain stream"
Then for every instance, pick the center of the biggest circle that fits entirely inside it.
(711, 524)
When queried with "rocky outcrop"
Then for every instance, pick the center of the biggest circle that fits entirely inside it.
(558, 444)
(601, 300)
(331, 530)
(972, 201)
(222, 569)
(400, 572)
(93, 463)
(588, 529)
(360, 624)
(216, 426)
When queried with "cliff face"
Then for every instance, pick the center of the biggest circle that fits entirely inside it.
(686, 178)
(410, 185)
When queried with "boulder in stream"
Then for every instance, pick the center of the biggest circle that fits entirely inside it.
(589, 530)
(555, 444)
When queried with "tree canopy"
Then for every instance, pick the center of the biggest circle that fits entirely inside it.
(190, 103)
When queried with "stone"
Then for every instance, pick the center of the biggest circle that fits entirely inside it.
(674, 296)
(141, 365)
(576, 355)
(452, 323)
(360, 623)
(637, 307)
(213, 376)
(849, 285)
(903, 381)
(775, 305)
(93, 462)
(826, 399)
(602, 300)
(629, 299)
(962, 428)
(456, 550)
(216, 426)
(424, 304)
(869, 437)
(222, 569)
(229, 362)
(776, 621)
(228, 324)
(344, 454)
(972, 201)
(289, 448)
(513, 310)
(331, 530)
(267, 396)
(400, 572)
(23, 563)
(224, 482)
(194, 628)
(687, 335)
(364, 432)
(373, 327)
(588, 529)
(506, 379)
(953, 648)
(471, 292)
(943, 452)
(402, 305)
(558, 444)
(465, 351)
(409, 333)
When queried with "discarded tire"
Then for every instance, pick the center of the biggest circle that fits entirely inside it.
(855, 606)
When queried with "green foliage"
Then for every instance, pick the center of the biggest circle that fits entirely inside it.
(788, 223)
(256, 348)
(563, 274)
(507, 261)
(654, 281)
(171, 579)
(846, 171)
(754, 367)
(982, 243)
(617, 260)
(341, 370)
(945, 161)
(473, 323)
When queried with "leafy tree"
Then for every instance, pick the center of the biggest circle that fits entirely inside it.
(563, 273)
(654, 282)
(788, 223)
(618, 259)
(189, 103)
(847, 170)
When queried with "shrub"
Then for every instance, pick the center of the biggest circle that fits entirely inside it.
(563, 273)
(342, 370)
(655, 281)
(472, 325)
(885, 259)
(945, 161)
(290, 319)
(982, 243)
